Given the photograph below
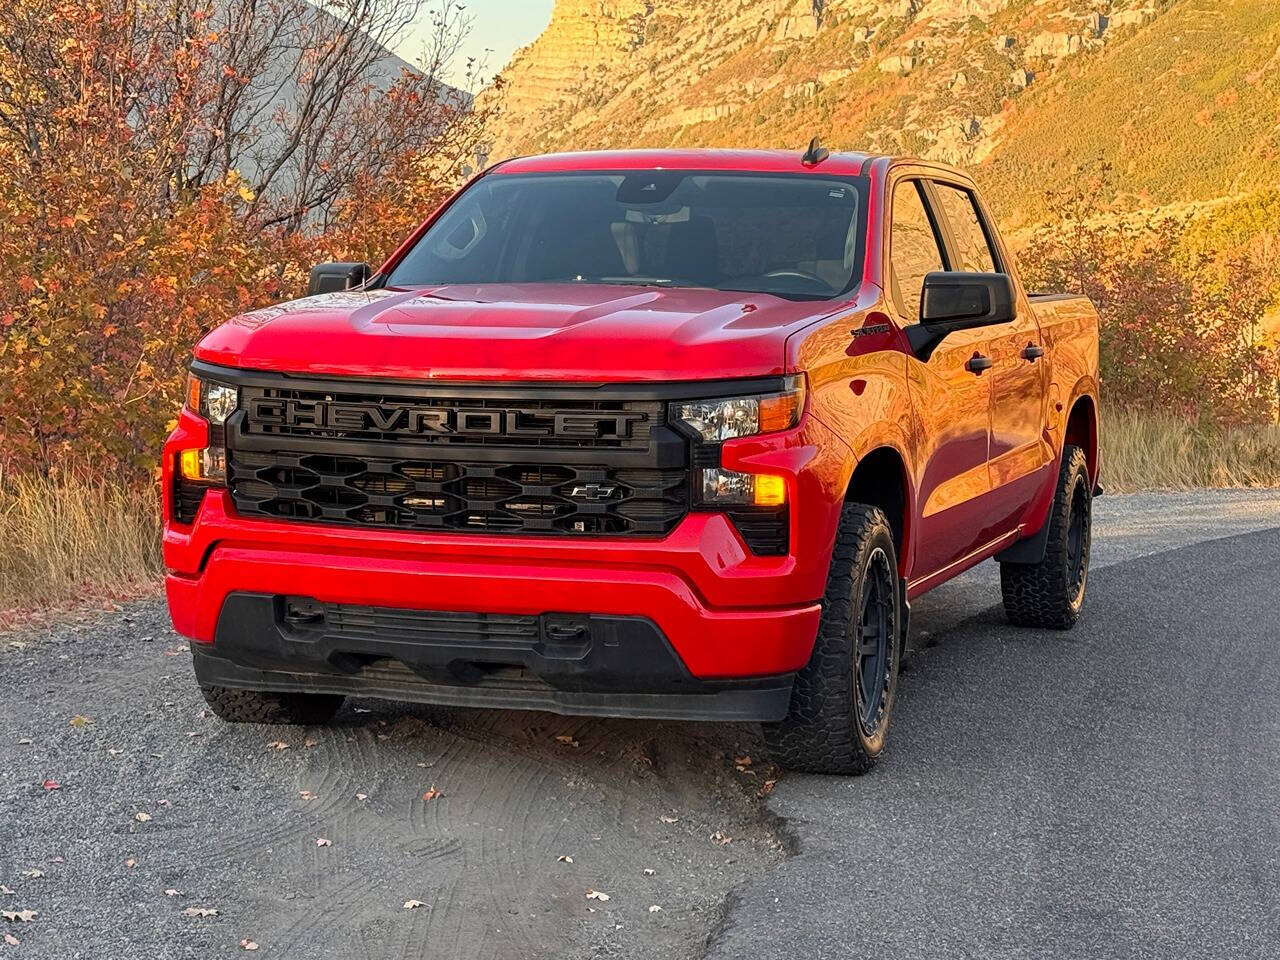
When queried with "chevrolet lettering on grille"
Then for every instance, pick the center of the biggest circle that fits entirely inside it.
(427, 421)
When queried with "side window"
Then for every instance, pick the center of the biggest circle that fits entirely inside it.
(913, 246)
(972, 250)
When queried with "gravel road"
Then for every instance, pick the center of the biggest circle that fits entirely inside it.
(1111, 792)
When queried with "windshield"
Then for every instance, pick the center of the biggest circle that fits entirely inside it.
(796, 236)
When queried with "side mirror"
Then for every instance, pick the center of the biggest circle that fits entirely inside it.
(328, 277)
(960, 301)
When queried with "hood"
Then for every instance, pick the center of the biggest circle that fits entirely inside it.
(562, 332)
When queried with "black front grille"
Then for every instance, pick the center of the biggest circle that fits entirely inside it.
(457, 494)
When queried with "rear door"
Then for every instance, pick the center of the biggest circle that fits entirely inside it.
(951, 395)
(1019, 452)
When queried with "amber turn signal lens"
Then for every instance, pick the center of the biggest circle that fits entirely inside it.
(770, 491)
(193, 393)
(780, 411)
(190, 464)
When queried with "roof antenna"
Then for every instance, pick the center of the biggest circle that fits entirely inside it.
(815, 154)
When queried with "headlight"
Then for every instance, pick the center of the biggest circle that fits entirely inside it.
(213, 401)
(715, 421)
(203, 466)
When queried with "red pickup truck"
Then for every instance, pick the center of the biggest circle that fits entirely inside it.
(650, 434)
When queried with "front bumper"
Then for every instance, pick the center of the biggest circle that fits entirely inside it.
(602, 666)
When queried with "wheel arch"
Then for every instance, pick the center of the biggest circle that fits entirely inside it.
(1081, 430)
(880, 479)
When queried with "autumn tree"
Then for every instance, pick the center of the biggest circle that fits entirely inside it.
(165, 166)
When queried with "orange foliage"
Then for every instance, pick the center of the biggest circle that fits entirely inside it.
(116, 259)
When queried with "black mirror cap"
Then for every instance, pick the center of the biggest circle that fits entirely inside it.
(967, 299)
(330, 277)
(960, 301)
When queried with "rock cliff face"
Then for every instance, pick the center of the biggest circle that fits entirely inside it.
(659, 67)
(956, 80)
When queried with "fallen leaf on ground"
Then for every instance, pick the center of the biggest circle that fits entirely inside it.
(248, 944)
(766, 788)
(33, 872)
(11, 940)
(669, 819)
(114, 752)
(362, 796)
(567, 738)
(432, 794)
(744, 761)
(306, 795)
(413, 904)
(111, 606)
(596, 895)
(24, 742)
(308, 744)
(655, 908)
(81, 721)
(131, 863)
(720, 838)
(142, 817)
(277, 745)
(19, 916)
(563, 859)
(648, 872)
(51, 784)
(4, 888)
(200, 912)
(322, 842)
(172, 892)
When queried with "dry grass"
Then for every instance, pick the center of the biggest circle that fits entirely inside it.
(1152, 452)
(75, 538)
(87, 537)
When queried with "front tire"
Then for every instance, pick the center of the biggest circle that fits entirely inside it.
(1050, 594)
(254, 706)
(842, 699)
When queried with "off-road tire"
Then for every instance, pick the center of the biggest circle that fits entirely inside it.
(824, 731)
(255, 706)
(1050, 594)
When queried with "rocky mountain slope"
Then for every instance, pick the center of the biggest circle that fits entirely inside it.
(1182, 97)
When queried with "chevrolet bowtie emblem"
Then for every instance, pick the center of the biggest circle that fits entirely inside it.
(594, 491)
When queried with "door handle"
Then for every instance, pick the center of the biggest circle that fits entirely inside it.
(977, 363)
(1033, 352)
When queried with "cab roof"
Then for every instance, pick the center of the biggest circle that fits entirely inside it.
(748, 161)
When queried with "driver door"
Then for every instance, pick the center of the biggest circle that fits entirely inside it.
(950, 393)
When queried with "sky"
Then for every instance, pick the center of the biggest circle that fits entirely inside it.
(498, 29)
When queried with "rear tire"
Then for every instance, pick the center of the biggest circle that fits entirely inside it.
(842, 699)
(255, 706)
(1050, 594)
